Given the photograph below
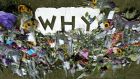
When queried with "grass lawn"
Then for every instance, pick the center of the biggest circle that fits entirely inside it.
(122, 4)
(131, 72)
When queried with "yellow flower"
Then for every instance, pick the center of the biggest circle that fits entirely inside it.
(118, 51)
(30, 25)
(31, 44)
(27, 25)
(24, 9)
(106, 25)
(94, 2)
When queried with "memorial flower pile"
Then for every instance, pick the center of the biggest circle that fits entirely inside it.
(27, 52)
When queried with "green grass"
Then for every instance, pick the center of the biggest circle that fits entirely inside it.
(131, 72)
(122, 4)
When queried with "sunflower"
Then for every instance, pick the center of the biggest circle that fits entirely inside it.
(30, 25)
(27, 25)
(106, 25)
(117, 51)
(94, 2)
(31, 44)
(24, 9)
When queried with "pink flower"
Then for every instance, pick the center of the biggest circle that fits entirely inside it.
(110, 51)
(84, 53)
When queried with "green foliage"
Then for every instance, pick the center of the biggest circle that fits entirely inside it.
(86, 40)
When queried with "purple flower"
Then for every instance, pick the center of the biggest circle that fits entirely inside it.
(7, 19)
(112, 4)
